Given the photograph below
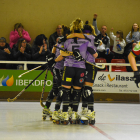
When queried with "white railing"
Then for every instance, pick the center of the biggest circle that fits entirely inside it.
(36, 62)
(23, 62)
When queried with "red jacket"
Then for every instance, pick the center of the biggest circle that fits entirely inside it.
(14, 37)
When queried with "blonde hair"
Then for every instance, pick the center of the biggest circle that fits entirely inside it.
(76, 25)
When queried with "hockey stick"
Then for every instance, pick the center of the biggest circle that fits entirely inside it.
(42, 94)
(31, 70)
(11, 100)
(63, 52)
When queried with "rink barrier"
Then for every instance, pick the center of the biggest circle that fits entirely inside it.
(99, 79)
(36, 62)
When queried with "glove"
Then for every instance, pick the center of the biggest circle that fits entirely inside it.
(62, 39)
(78, 56)
(137, 78)
(97, 42)
(50, 60)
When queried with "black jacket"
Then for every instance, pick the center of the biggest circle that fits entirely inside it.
(4, 55)
(52, 40)
(39, 57)
(26, 56)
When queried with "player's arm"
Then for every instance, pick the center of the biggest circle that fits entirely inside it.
(91, 50)
(79, 35)
(132, 61)
(59, 58)
(54, 49)
(95, 55)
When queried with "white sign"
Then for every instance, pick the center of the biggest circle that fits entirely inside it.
(115, 82)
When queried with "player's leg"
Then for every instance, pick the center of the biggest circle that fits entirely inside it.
(88, 92)
(51, 95)
(77, 86)
(65, 92)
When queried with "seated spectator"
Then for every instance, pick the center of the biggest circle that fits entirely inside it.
(45, 42)
(103, 49)
(39, 50)
(119, 44)
(22, 52)
(54, 36)
(18, 33)
(5, 54)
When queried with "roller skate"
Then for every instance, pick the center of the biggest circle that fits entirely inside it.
(91, 117)
(46, 112)
(64, 118)
(56, 117)
(83, 116)
(74, 118)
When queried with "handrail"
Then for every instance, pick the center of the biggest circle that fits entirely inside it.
(38, 62)
(23, 62)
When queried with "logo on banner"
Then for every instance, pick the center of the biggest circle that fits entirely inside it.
(6, 81)
(110, 79)
(102, 78)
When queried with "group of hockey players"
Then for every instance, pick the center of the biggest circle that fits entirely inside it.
(73, 78)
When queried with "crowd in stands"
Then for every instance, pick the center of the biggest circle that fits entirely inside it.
(19, 48)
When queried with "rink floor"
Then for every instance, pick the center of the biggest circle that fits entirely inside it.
(23, 121)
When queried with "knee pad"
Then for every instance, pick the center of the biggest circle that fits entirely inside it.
(87, 92)
(76, 95)
(65, 94)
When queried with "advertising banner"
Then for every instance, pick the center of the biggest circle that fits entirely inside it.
(115, 82)
(105, 82)
(9, 80)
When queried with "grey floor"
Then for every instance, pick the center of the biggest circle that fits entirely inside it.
(23, 121)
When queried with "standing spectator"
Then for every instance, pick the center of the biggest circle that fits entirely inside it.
(54, 36)
(132, 37)
(22, 51)
(119, 44)
(103, 49)
(39, 49)
(5, 53)
(18, 33)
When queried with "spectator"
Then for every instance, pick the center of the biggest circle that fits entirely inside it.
(119, 44)
(104, 48)
(5, 53)
(54, 36)
(132, 37)
(22, 52)
(45, 42)
(39, 49)
(18, 33)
